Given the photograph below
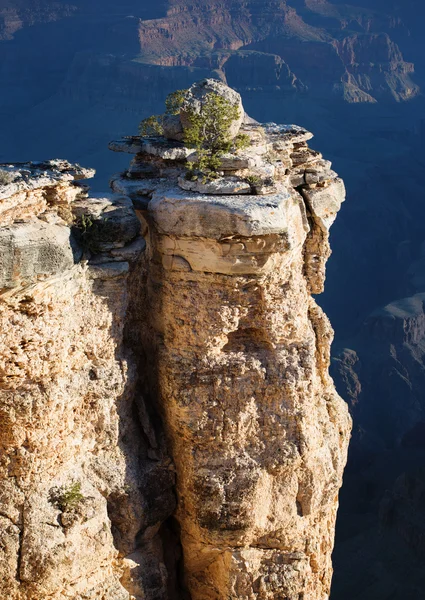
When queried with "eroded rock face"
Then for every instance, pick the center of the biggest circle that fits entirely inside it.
(241, 353)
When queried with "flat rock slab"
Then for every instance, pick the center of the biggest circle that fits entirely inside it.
(293, 134)
(181, 213)
(32, 250)
(34, 175)
(221, 186)
(154, 146)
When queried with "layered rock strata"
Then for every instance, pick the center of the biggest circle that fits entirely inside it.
(239, 355)
(81, 502)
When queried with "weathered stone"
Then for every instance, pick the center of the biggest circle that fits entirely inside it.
(319, 172)
(29, 251)
(303, 156)
(207, 329)
(289, 134)
(67, 393)
(106, 221)
(181, 214)
(135, 189)
(131, 145)
(155, 146)
(325, 202)
(165, 149)
(35, 186)
(243, 355)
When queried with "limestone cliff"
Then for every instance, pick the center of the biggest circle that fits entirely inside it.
(181, 359)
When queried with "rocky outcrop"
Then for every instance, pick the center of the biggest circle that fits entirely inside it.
(168, 424)
(240, 361)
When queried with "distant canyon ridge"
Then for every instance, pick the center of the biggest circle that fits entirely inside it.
(353, 51)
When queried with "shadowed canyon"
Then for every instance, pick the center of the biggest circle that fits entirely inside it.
(75, 75)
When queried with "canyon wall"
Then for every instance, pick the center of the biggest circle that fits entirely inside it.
(169, 426)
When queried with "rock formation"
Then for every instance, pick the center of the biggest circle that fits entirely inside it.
(184, 358)
(241, 356)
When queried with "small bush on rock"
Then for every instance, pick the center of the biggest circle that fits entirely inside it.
(67, 497)
(208, 132)
(153, 126)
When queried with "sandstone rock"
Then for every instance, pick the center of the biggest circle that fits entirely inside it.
(183, 215)
(155, 146)
(304, 156)
(325, 202)
(135, 189)
(243, 356)
(220, 186)
(198, 91)
(131, 145)
(287, 134)
(165, 149)
(105, 222)
(67, 393)
(202, 341)
(36, 186)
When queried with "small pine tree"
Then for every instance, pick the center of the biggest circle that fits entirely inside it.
(208, 132)
(153, 126)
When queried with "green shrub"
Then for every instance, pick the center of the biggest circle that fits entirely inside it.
(66, 497)
(174, 102)
(153, 126)
(91, 232)
(209, 131)
(241, 141)
(254, 180)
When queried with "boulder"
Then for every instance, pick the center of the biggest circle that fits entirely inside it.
(34, 250)
(325, 202)
(198, 92)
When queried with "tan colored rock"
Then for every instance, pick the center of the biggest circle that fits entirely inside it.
(67, 414)
(258, 433)
(202, 341)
